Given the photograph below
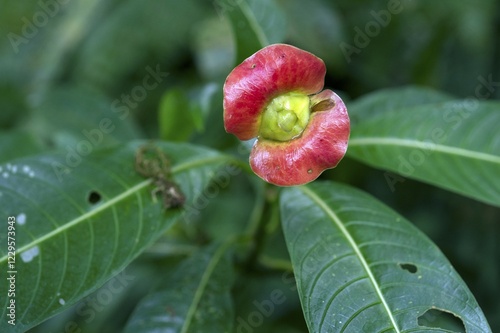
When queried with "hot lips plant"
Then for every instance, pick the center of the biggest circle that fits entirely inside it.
(275, 96)
(164, 235)
(359, 267)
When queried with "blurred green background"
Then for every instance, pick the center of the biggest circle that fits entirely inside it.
(156, 69)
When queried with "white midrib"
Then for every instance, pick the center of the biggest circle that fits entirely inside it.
(82, 217)
(397, 142)
(356, 249)
(109, 203)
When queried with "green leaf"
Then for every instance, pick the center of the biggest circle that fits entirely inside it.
(454, 145)
(18, 143)
(386, 100)
(265, 300)
(81, 220)
(107, 308)
(317, 27)
(360, 267)
(195, 297)
(61, 38)
(73, 116)
(12, 101)
(154, 34)
(213, 48)
(255, 23)
(213, 134)
(233, 207)
(176, 116)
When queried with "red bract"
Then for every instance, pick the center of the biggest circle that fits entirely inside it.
(270, 72)
(273, 95)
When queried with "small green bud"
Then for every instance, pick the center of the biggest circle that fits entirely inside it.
(285, 117)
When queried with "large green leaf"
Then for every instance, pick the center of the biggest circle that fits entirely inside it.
(255, 23)
(81, 221)
(193, 298)
(361, 267)
(454, 145)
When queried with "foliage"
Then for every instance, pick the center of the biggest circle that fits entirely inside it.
(133, 210)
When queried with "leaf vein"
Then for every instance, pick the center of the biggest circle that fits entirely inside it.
(399, 142)
(356, 249)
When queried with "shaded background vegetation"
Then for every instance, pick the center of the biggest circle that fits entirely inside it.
(60, 76)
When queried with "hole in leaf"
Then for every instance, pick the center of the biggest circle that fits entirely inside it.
(409, 267)
(94, 197)
(441, 319)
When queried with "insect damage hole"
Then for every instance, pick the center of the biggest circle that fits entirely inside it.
(409, 267)
(94, 197)
(441, 319)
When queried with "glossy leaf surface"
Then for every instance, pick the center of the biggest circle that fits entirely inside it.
(453, 145)
(360, 267)
(79, 224)
(393, 99)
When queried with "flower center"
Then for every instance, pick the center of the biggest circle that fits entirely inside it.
(285, 117)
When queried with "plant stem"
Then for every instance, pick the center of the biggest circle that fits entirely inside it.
(258, 228)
